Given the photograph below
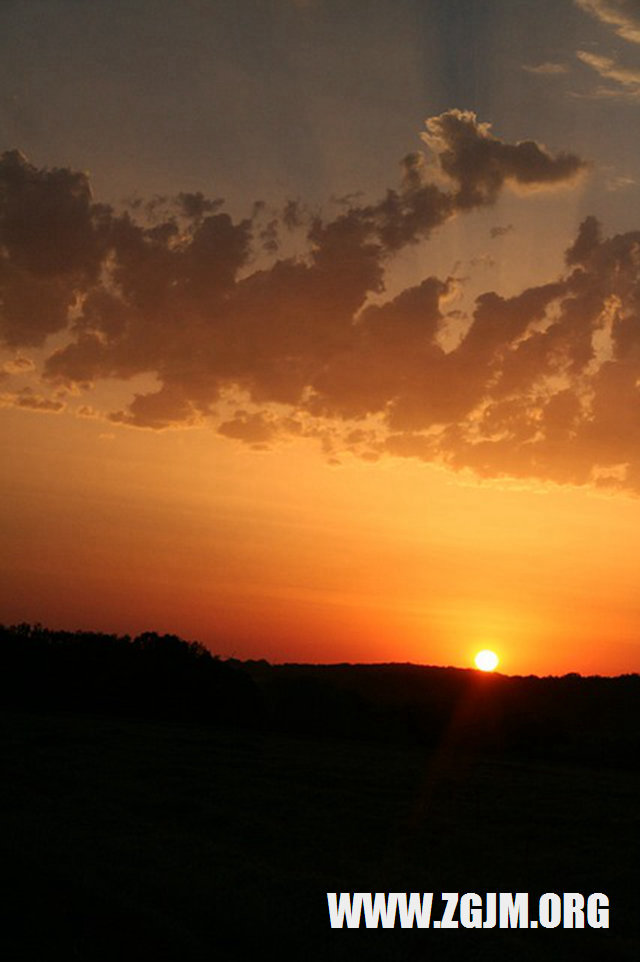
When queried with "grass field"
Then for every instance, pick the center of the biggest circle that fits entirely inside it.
(131, 840)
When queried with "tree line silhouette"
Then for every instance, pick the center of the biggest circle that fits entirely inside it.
(152, 675)
(570, 718)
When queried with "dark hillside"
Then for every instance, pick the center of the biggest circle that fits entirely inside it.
(159, 803)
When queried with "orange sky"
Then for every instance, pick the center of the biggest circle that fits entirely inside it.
(285, 557)
(381, 404)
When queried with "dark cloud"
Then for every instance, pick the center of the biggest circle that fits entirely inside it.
(540, 384)
(480, 163)
(253, 428)
(195, 206)
(500, 231)
(29, 399)
(294, 214)
(52, 244)
(565, 404)
(169, 406)
(60, 249)
(268, 236)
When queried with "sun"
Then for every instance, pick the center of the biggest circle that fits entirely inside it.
(486, 660)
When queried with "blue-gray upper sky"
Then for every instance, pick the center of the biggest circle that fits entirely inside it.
(277, 98)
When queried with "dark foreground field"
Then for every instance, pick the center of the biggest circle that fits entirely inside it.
(132, 839)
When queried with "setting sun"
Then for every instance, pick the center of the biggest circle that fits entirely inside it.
(486, 660)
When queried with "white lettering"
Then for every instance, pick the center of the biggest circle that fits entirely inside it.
(514, 910)
(550, 911)
(471, 911)
(347, 908)
(417, 909)
(598, 911)
(451, 899)
(382, 911)
(573, 910)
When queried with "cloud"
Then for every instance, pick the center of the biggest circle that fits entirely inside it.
(87, 411)
(482, 260)
(543, 384)
(194, 206)
(564, 399)
(19, 365)
(53, 245)
(540, 384)
(256, 428)
(170, 406)
(29, 399)
(619, 182)
(622, 15)
(500, 231)
(608, 68)
(626, 78)
(547, 69)
(480, 164)
(164, 288)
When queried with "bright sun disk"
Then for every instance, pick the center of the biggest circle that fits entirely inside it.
(486, 660)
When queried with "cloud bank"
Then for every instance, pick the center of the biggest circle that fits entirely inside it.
(539, 385)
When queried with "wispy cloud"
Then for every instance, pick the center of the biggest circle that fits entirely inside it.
(622, 15)
(619, 182)
(625, 79)
(547, 69)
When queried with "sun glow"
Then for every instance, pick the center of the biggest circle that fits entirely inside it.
(486, 660)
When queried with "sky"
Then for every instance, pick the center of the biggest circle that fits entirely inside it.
(319, 326)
